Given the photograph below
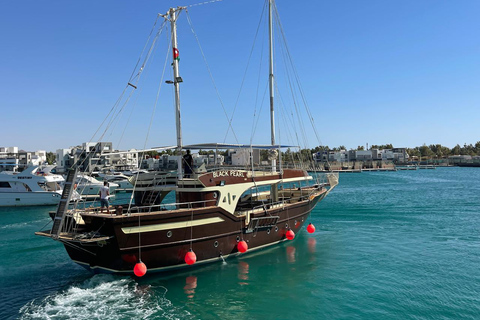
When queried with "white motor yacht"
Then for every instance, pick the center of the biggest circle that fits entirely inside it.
(120, 179)
(89, 186)
(31, 187)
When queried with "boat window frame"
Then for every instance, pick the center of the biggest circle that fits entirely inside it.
(5, 186)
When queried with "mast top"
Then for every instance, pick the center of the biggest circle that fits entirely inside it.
(172, 10)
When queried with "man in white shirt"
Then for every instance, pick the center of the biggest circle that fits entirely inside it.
(104, 194)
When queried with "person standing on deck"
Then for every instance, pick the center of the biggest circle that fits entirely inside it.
(104, 194)
(188, 164)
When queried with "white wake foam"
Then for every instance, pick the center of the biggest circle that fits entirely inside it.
(104, 297)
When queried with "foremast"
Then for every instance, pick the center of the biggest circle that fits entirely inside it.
(172, 16)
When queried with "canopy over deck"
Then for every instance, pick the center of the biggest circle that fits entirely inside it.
(234, 146)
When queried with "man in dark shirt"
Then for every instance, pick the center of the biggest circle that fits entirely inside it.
(188, 164)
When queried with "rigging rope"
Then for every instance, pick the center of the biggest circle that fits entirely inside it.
(246, 69)
(115, 110)
(211, 76)
(203, 3)
(145, 46)
(139, 73)
(255, 124)
(151, 120)
(297, 78)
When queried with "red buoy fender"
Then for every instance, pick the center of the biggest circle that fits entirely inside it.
(140, 269)
(290, 235)
(242, 246)
(190, 257)
(311, 228)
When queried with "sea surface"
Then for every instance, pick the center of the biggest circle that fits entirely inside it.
(388, 245)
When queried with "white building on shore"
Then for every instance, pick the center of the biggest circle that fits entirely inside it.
(395, 154)
(13, 159)
(96, 156)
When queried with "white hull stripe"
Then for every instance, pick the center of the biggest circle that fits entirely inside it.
(172, 225)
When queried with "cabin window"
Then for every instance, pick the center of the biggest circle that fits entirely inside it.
(43, 185)
(4, 184)
(224, 199)
(27, 187)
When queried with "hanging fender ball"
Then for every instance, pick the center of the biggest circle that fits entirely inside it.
(242, 246)
(290, 235)
(190, 257)
(140, 269)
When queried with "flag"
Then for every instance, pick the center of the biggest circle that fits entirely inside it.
(176, 54)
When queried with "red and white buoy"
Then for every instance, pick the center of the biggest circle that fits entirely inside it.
(311, 228)
(140, 269)
(290, 234)
(242, 246)
(190, 257)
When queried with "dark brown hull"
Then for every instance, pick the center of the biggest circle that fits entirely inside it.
(165, 249)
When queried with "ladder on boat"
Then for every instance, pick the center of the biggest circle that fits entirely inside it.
(261, 222)
(63, 205)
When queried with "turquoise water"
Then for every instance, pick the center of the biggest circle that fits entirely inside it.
(388, 245)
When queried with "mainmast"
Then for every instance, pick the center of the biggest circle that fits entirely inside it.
(172, 17)
(271, 80)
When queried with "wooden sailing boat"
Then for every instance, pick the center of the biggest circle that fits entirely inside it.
(217, 214)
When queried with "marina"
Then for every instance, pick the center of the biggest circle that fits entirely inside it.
(395, 245)
(234, 160)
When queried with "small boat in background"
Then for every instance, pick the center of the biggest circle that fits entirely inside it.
(87, 185)
(121, 180)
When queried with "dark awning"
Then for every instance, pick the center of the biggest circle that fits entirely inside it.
(234, 146)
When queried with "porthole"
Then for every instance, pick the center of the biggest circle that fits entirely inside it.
(276, 228)
(215, 244)
(169, 234)
(268, 231)
(296, 222)
(238, 239)
(286, 225)
(214, 195)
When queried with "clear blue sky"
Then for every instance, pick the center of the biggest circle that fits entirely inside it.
(402, 72)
